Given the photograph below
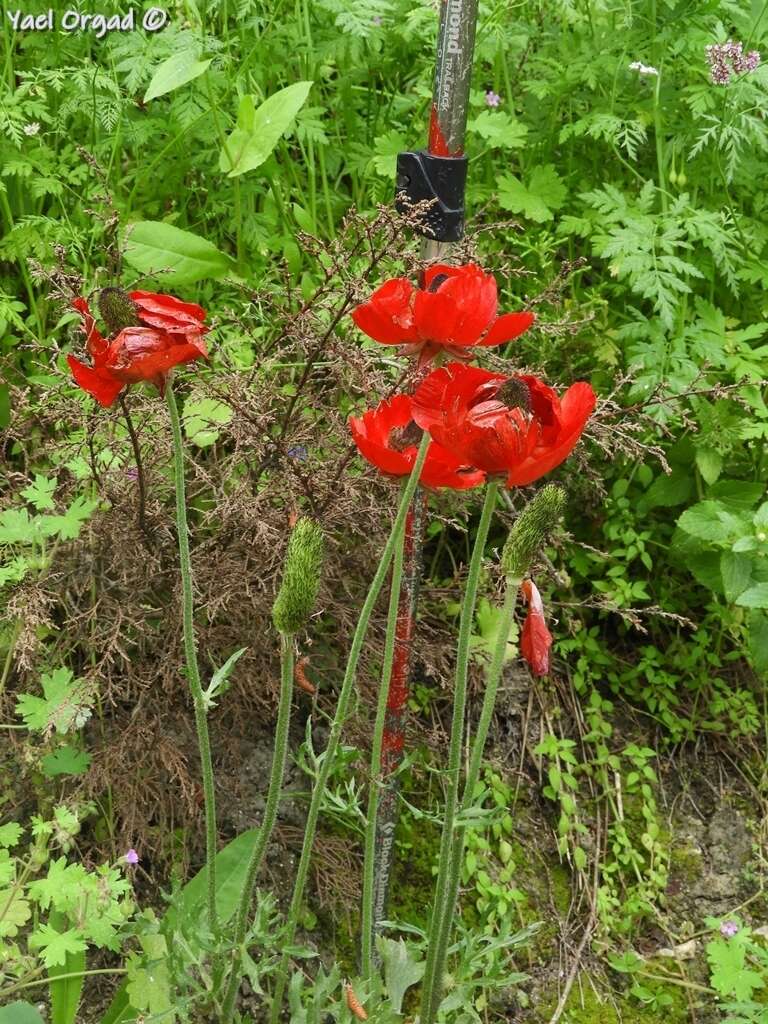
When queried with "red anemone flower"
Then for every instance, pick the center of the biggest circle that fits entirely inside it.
(535, 640)
(515, 426)
(165, 333)
(388, 438)
(454, 311)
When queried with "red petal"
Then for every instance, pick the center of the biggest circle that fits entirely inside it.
(100, 383)
(507, 328)
(157, 364)
(168, 307)
(387, 316)
(535, 642)
(95, 343)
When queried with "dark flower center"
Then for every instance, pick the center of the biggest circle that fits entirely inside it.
(435, 283)
(515, 394)
(405, 437)
(117, 309)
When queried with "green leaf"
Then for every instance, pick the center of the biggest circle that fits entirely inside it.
(499, 129)
(66, 761)
(20, 1013)
(66, 992)
(710, 464)
(10, 834)
(760, 519)
(220, 678)
(40, 493)
(173, 73)
(737, 573)
(65, 705)
(201, 417)
(231, 868)
(401, 970)
(738, 495)
(754, 597)
(709, 520)
(758, 640)
(544, 193)
(259, 129)
(55, 946)
(667, 490)
(14, 911)
(68, 526)
(153, 246)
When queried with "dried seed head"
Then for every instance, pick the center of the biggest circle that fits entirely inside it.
(301, 578)
(531, 530)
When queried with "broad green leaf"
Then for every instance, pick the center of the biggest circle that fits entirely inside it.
(761, 517)
(231, 868)
(201, 418)
(173, 73)
(65, 705)
(385, 150)
(66, 761)
(758, 640)
(259, 129)
(667, 490)
(20, 1013)
(499, 129)
(737, 573)
(40, 493)
(738, 495)
(153, 246)
(709, 520)
(754, 597)
(710, 464)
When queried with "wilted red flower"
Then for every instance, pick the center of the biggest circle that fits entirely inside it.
(454, 311)
(164, 332)
(535, 640)
(515, 426)
(388, 438)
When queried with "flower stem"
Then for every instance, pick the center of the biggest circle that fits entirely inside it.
(279, 759)
(369, 917)
(440, 906)
(347, 686)
(190, 653)
(456, 852)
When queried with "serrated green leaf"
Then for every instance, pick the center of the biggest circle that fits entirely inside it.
(55, 946)
(40, 493)
(401, 969)
(66, 761)
(201, 417)
(736, 570)
(14, 912)
(10, 833)
(754, 597)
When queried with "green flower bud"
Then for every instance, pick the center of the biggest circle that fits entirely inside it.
(531, 529)
(301, 578)
(117, 309)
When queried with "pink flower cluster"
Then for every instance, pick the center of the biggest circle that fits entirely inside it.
(727, 59)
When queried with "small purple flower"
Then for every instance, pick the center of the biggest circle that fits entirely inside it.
(728, 929)
(297, 451)
(132, 473)
(131, 857)
(728, 58)
(492, 99)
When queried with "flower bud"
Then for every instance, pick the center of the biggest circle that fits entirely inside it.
(117, 309)
(301, 578)
(531, 530)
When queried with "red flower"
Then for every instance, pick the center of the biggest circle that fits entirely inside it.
(454, 311)
(516, 426)
(536, 639)
(166, 333)
(388, 438)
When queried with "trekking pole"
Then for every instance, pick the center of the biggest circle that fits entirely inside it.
(436, 174)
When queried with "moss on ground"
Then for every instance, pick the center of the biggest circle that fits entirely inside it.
(585, 1006)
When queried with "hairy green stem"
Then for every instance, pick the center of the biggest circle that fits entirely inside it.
(339, 718)
(369, 863)
(440, 906)
(277, 774)
(456, 853)
(190, 653)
